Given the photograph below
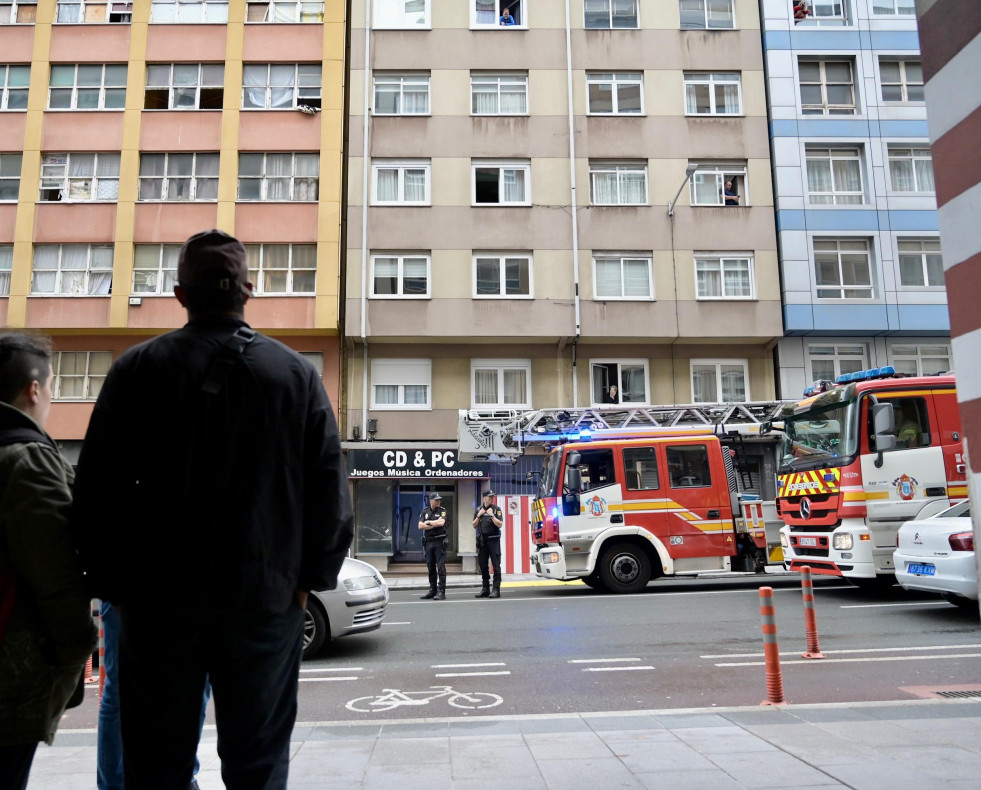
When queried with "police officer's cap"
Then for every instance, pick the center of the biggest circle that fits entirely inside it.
(488, 492)
(435, 495)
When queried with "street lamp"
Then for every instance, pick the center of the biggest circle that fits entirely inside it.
(689, 172)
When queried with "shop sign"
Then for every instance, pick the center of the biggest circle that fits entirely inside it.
(412, 463)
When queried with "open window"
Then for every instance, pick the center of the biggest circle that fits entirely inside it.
(618, 382)
(497, 13)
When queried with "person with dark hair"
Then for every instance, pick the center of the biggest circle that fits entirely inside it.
(46, 629)
(488, 520)
(432, 522)
(212, 471)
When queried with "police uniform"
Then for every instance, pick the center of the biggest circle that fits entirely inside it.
(488, 547)
(434, 546)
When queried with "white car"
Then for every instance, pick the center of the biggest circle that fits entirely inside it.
(936, 554)
(356, 605)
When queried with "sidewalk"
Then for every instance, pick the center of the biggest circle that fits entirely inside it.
(866, 746)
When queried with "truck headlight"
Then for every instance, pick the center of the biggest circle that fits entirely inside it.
(843, 541)
(550, 557)
(783, 541)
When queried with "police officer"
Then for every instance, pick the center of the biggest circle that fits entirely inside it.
(488, 520)
(432, 522)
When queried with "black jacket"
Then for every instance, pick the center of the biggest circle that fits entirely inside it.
(234, 499)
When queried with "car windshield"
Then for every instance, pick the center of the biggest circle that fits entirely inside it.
(550, 474)
(961, 509)
(819, 436)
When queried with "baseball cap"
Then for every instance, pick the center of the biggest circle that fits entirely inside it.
(488, 492)
(212, 260)
(435, 495)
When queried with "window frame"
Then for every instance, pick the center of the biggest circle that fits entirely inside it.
(216, 90)
(841, 287)
(90, 381)
(721, 258)
(164, 273)
(500, 367)
(426, 23)
(518, 165)
(840, 352)
(194, 178)
(719, 364)
(6, 268)
(501, 77)
(737, 173)
(400, 166)
(713, 79)
(620, 362)
(498, 13)
(610, 15)
(924, 267)
(66, 179)
(597, 167)
(6, 89)
(835, 153)
(264, 178)
(275, 4)
(892, 158)
(255, 256)
(826, 108)
(401, 257)
(394, 373)
(623, 257)
(124, 16)
(401, 77)
(178, 19)
(904, 83)
(59, 271)
(502, 258)
(896, 358)
(74, 89)
(615, 79)
(11, 156)
(705, 15)
(309, 95)
(21, 5)
(842, 18)
(873, 13)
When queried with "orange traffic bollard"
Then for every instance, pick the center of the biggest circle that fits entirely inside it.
(810, 619)
(774, 679)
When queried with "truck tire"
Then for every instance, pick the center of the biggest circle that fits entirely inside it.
(593, 580)
(624, 568)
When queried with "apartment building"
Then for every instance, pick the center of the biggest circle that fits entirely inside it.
(127, 127)
(860, 253)
(551, 203)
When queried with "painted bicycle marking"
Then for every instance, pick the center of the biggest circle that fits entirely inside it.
(393, 698)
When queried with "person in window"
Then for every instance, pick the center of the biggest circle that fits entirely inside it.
(908, 433)
(731, 198)
(801, 10)
(506, 18)
(611, 395)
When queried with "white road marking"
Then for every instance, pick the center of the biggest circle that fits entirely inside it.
(327, 680)
(339, 669)
(854, 650)
(460, 666)
(601, 660)
(614, 669)
(404, 622)
(469, 674)
(855, 660)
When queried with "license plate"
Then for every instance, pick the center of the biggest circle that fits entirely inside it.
(921, 569)
(807, 541)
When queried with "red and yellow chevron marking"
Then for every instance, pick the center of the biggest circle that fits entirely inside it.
(817, 481)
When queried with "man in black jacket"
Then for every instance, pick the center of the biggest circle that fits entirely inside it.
(432, 522)
(488, 520)
(212, 476)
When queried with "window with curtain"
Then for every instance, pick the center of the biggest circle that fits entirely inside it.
(401, 182)
(834, 175)
(6, 266)
(282, 269)
(400, 275)
(707, 185)
(501, 183)
(82, 11)
(79, 375)
(620, 276)
(155, 269)
(10, 166)
(179, 177)
(18, 12)
(921, 263)
(87, 86)
(902, 80)
(615, 93)
(628, 376)
(706, 14)
(719, 381)
(278, 86)
(401, 94)
(712, 93)
(610, 14)
(401, 384)
(618, 184)
(79, 177)
(72, 269)
(189, 11)
(827, 87)
(727, 276)
(504, 383)
(184, 86)
(920, 360)
(911, 168)
(284, 11)
(827, 361)
(411, 14)
(14, 82)
(498, 94)
(843, 268)
(506, 275)
(278, 177)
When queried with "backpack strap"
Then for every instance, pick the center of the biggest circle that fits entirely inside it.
(229, 353)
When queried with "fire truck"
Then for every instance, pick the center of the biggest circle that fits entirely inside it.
(626, 495)
(857, 459)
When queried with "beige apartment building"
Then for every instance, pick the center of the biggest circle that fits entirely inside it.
(127, 127)
(509, 243)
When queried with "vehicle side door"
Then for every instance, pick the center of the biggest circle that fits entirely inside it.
(695, 490)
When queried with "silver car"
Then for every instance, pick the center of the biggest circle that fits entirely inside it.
(356, 605)
(936, 554)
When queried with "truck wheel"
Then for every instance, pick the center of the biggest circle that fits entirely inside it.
(624, 568)
(314, 629)
(593, 580)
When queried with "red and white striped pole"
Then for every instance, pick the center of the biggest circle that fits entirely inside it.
(810, 619)
(771, 650)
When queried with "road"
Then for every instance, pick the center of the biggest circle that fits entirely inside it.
(681, 644)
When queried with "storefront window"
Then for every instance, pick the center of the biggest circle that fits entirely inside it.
(374, 516)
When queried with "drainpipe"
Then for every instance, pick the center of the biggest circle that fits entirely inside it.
(573, 203)
(365, 174)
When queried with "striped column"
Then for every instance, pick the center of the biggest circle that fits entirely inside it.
(950, 43)
(516, 543)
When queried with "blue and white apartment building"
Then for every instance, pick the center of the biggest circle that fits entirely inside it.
(860, 258)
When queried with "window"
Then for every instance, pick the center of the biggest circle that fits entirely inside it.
(629, 376)
(401, 94)
(155, 268)
(87, 87)
(827, 87)
(315, 358)
(401, 383)
(834, 175)
(902, 80)
(285, 11)
(402, 275)
(6, 265)
(10, 176)
(830, 12)
(490, 13)
(615, 93)
(828, 361)
(400, 183)
(709, 93)
(718, 381)
(911, 168)
(708, 184)
(184, 86)
(724, 276)
(706, 15)
(78, 375)
(78, 11)
(278, 177)
(640, 465)
(178, 177)
(501, 275)
(610, 14)
(499, 94)
(914, 360)
(14, 12)
(504, 383)
(688, 466)
(189, 11)
(14, 82)
(501, 184)
(400, 14)
(81, 177)
(282, 268)
(623, 276)
(920, 263)
(278, 86)
(894, 7)
(72, 269)
(843, 269)
(596, 469)
(613, 184)
(911, 425)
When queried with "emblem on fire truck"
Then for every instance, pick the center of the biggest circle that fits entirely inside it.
(906, 487)
(596, 506)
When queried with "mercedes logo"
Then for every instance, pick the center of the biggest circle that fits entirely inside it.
(805, 508)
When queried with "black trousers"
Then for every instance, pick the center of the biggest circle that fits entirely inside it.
(435, 549)
(489, 553)
(15, 765)
(253, 662)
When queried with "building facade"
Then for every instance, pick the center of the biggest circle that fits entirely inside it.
(127, 127)
(860, 253)
(509, 243)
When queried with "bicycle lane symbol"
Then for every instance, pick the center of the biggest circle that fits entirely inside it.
(393, 698)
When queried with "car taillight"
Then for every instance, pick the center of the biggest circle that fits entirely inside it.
(962, 541)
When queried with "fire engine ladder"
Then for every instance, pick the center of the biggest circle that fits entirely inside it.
(504, 434)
